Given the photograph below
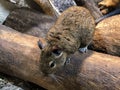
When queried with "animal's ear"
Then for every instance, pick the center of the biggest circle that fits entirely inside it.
(42, 43)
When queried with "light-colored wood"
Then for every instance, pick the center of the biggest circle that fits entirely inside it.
(107, 36)
(20, 57)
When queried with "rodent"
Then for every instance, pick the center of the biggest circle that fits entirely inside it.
(29, 21)
(73, 29)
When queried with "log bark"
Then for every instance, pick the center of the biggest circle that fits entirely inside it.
(20, 57)
(107, 36)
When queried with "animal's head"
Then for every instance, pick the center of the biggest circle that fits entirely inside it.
(51, 58)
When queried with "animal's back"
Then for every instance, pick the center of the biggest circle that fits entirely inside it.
(73, 29)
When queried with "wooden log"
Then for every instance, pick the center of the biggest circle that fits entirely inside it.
(33, 22)
(20, 57)
(107, 36)
(47, 7)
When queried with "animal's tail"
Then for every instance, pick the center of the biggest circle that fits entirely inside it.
(115, 12)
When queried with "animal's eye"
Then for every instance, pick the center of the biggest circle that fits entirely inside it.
(52, 64)
(57, 52)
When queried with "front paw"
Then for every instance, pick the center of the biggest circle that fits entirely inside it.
(83, 50)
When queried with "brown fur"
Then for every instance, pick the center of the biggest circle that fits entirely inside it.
(73, 29)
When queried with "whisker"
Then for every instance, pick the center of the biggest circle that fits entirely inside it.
(58, 79)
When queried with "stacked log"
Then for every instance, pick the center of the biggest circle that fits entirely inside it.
(20, 57)
(107, 36)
